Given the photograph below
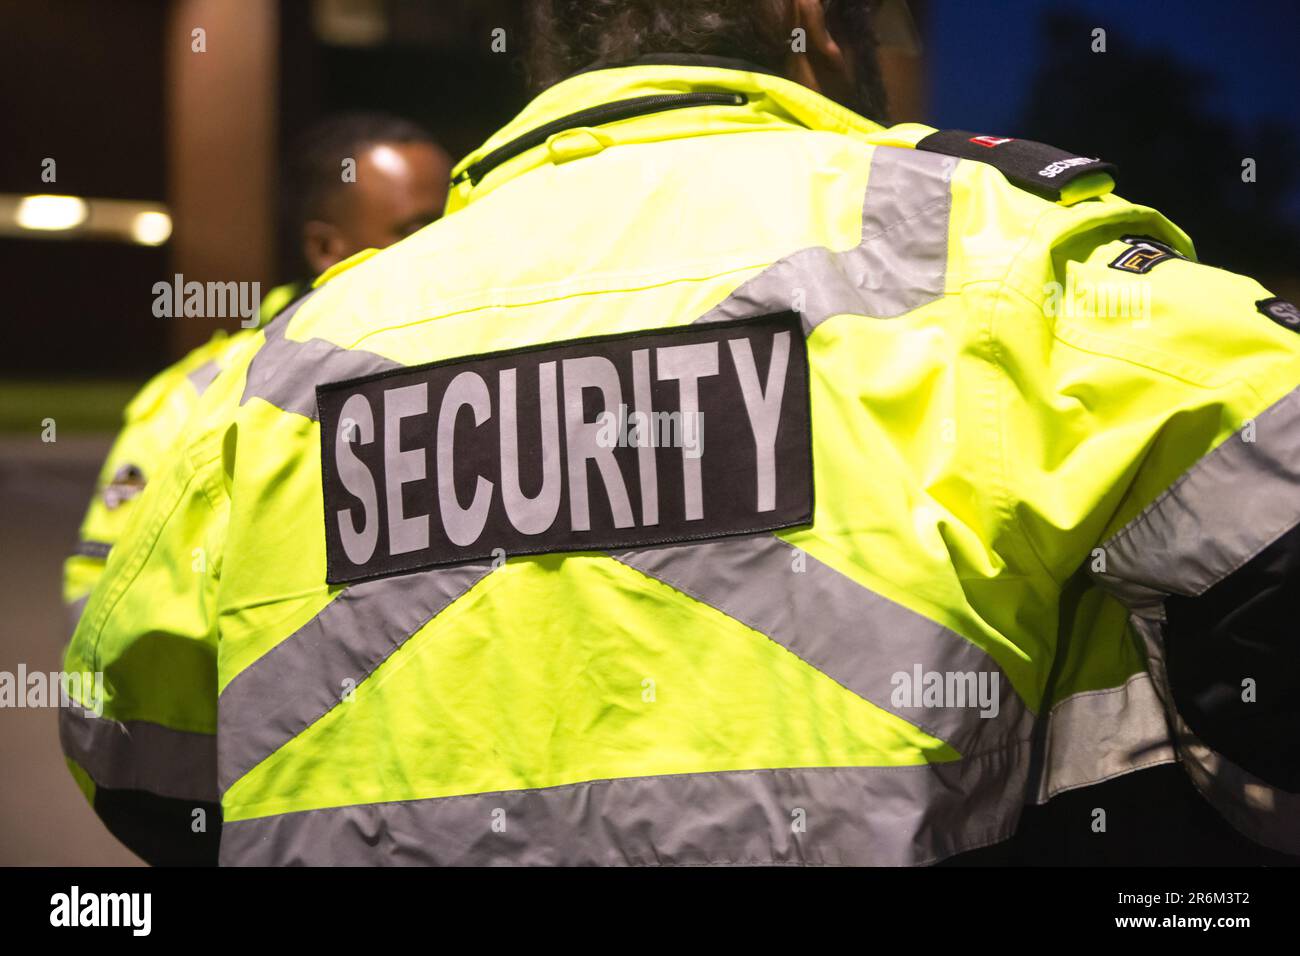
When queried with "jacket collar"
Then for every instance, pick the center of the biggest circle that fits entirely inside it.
(683, 59)
(766, 101)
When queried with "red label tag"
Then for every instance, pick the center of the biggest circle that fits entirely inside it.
(990, 141)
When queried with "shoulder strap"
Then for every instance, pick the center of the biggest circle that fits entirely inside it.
(1037, 167)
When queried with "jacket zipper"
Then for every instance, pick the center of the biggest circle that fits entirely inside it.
(594, 116)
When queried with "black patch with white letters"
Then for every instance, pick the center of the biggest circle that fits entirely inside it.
(1143, 255)
(1281, 311)
(1036, 167)
(418, 470)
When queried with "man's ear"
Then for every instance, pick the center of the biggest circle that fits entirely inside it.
(821, 66)
(322, 245)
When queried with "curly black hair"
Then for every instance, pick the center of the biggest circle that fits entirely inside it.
(570, 35)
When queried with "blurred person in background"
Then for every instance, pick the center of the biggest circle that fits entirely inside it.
(354, 181)
(459, 620)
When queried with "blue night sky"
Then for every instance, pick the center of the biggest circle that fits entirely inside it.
(982, 54)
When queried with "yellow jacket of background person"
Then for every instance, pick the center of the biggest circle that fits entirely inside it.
(154, 419)
(455, 624)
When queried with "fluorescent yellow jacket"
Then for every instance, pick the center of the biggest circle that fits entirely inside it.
(964, 471)
(152, 422)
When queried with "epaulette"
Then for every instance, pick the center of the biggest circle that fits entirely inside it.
(1043, 170)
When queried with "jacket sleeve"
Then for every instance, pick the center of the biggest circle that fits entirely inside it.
(1156, 437)
(140, 736)
(153, 423)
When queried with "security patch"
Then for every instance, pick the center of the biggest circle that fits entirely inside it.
(1144, 255)
(1037, 167)
(1281, 311)
(621, 441)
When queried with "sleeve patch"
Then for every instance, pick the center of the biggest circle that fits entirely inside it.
(128, 481)
(1143, 254)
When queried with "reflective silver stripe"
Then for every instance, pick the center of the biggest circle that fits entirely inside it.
(900, 264)
(860, 816)
(303, 677)
(285, 372)
(1269, 816)
(204, 375)
(138, 755)
(1224, 510)
(1263, 813)
(1228, 507)
(854, 636)
(1096, 735)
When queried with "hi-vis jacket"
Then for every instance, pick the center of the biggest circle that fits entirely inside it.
(728, 480)
(154, 419)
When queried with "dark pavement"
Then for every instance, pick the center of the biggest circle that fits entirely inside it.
(44, 488)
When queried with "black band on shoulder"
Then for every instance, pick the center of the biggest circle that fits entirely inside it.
(1284, 313)
(1037, 167)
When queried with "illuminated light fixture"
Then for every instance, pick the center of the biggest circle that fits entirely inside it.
(355, 23)
(51, 213)
(73, 217)
(151, 227)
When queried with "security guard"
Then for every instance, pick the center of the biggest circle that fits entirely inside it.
(398, 186)
(705, 491)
